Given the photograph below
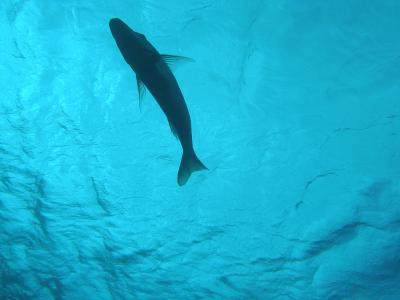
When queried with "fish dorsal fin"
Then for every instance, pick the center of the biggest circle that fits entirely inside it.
(141, 89)
(171, 60)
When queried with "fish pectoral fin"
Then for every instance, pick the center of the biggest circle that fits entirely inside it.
(141, 89)
(171, 60)
(173, 129)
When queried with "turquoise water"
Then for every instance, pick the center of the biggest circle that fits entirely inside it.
(295, 109)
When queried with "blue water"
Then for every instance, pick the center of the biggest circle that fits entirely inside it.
(295, 108)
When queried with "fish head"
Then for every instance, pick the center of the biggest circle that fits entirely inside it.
(118, 27)
(131, 43)
(122, 32)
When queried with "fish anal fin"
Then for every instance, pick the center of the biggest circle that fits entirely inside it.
(173, 129)
(141, 89)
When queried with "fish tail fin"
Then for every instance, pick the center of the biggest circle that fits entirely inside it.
(190, 163)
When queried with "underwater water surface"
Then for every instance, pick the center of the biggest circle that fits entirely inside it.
(295, 109)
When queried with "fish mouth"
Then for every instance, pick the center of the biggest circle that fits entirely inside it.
(119, 27)
(116, 23)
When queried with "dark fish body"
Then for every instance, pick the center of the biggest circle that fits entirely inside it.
(153, 72)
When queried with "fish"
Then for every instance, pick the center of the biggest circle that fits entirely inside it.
(153, 73)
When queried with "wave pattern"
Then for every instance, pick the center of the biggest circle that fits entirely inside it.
(294, 108)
